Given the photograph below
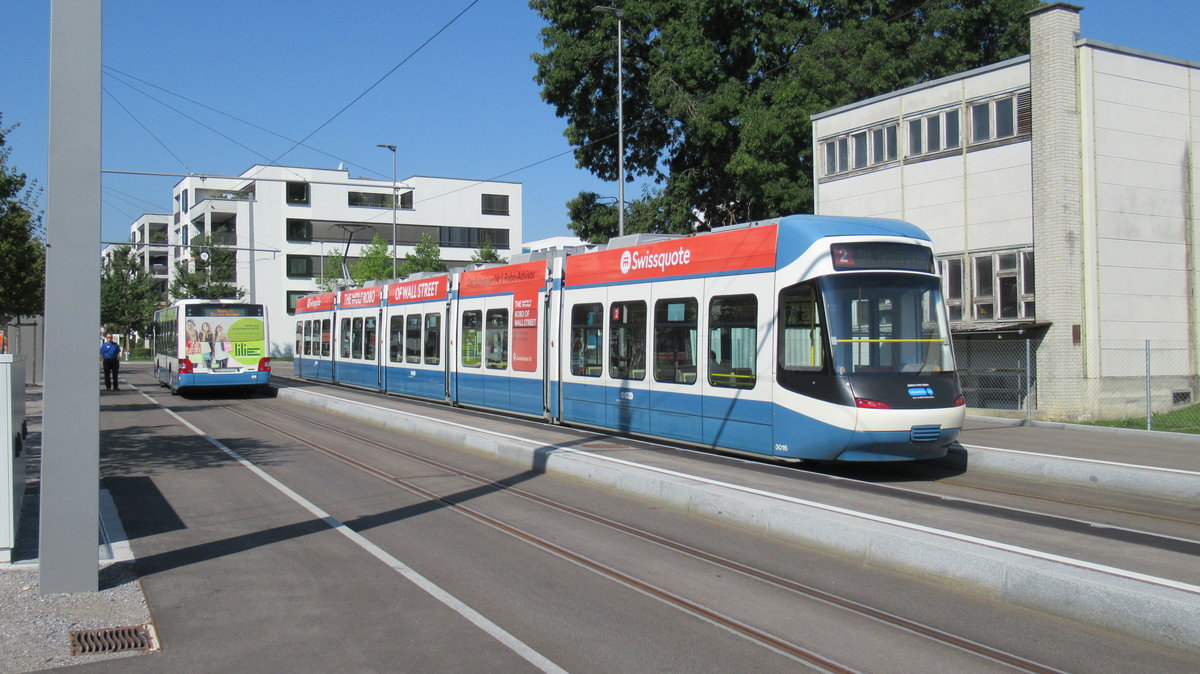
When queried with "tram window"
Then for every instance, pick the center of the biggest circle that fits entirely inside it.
(627, 340)
(801, 341)
(345, 338)
(299, 338)
(675, 333)
(325, 337)
(733, 341)
(412, 338)
(433, 339)
(472, 338)
(307, 338)
(369, 338)
(396, 339)
(586, 337)
(496, 338)
(356, 330)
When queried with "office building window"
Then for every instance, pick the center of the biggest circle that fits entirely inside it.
(1000, 118)
(369, 199)
(297, 193)
(933, 133)
(1003, 285)
(300, 266)
(861, 149)
(495, 204)
(299, 230)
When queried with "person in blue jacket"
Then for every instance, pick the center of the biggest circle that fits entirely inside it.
(110, 352)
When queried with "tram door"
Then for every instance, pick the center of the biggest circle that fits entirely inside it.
(627, 376)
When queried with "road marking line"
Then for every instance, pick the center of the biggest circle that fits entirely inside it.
(516, 645)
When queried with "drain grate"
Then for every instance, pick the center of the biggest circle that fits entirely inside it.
(111, 640)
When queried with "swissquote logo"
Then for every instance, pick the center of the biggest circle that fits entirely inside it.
(632, 260)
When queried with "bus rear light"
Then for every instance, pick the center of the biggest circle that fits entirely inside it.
(264, 364)
(185, 366)
(869, 404)
(960, 401)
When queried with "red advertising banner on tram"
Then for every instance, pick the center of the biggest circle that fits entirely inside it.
(360, 297)
(711, 254)
(314, 303)
(420, 290)
(524, 281)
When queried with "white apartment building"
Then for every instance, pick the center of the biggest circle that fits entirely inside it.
(148, 239)
(283, 223)
(1060, 191)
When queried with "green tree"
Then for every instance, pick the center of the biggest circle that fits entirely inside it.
(487, 253)
(426, 256)
(22, 253)
(210, 274)
(332, 276)
(375, 262)
(128, 295)
(718, 94)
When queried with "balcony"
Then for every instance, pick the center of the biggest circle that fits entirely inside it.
(220, 238)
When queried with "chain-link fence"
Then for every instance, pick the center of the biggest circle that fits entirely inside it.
(1135, 384)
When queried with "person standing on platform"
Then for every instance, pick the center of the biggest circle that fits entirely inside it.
(110, 352)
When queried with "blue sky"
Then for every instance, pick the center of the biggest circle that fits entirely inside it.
(464, 106)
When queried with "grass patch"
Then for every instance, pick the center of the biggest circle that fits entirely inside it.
(1186, 420)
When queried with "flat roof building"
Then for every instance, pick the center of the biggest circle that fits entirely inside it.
(1060, 190)
(282, 223)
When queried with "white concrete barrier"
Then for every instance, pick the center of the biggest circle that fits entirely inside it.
(1154, 609)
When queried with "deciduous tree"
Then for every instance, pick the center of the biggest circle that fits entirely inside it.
(22, 253)
(719, 95)
(426, 256)
(128, 295)
(211, 274)
(375, 262)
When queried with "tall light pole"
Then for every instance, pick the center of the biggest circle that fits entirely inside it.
(620, 119)
(394, 199)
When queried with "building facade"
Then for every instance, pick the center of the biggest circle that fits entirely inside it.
(282, 224)
(1060, 191)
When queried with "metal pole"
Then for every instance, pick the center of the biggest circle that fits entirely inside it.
(1149, 407)
(70, 481)
(620, 130)
(620, 117)
(1028, 379)
(394, 199)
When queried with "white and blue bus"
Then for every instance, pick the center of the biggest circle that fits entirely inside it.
(210, 343)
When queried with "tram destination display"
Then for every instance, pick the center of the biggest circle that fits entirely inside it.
(881, 255)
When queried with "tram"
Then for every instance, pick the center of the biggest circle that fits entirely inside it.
(209, 343)
(806, 337)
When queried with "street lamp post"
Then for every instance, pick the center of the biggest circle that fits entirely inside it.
(394, 199)
(619, 14)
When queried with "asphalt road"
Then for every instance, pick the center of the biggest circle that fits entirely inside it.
(281, 554)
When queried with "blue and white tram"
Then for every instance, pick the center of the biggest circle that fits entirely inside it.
(209, 343)
(807, 337)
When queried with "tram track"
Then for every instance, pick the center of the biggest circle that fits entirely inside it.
(838, 477)
(707, 613)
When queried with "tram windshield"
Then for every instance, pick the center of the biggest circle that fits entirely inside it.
(883, 323)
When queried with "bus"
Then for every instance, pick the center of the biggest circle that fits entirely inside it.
(211, 343)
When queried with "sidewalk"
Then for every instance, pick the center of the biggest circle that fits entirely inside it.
(35, 628)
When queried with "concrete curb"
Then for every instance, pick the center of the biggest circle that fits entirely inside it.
(1153, 609)
(1123, 478)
